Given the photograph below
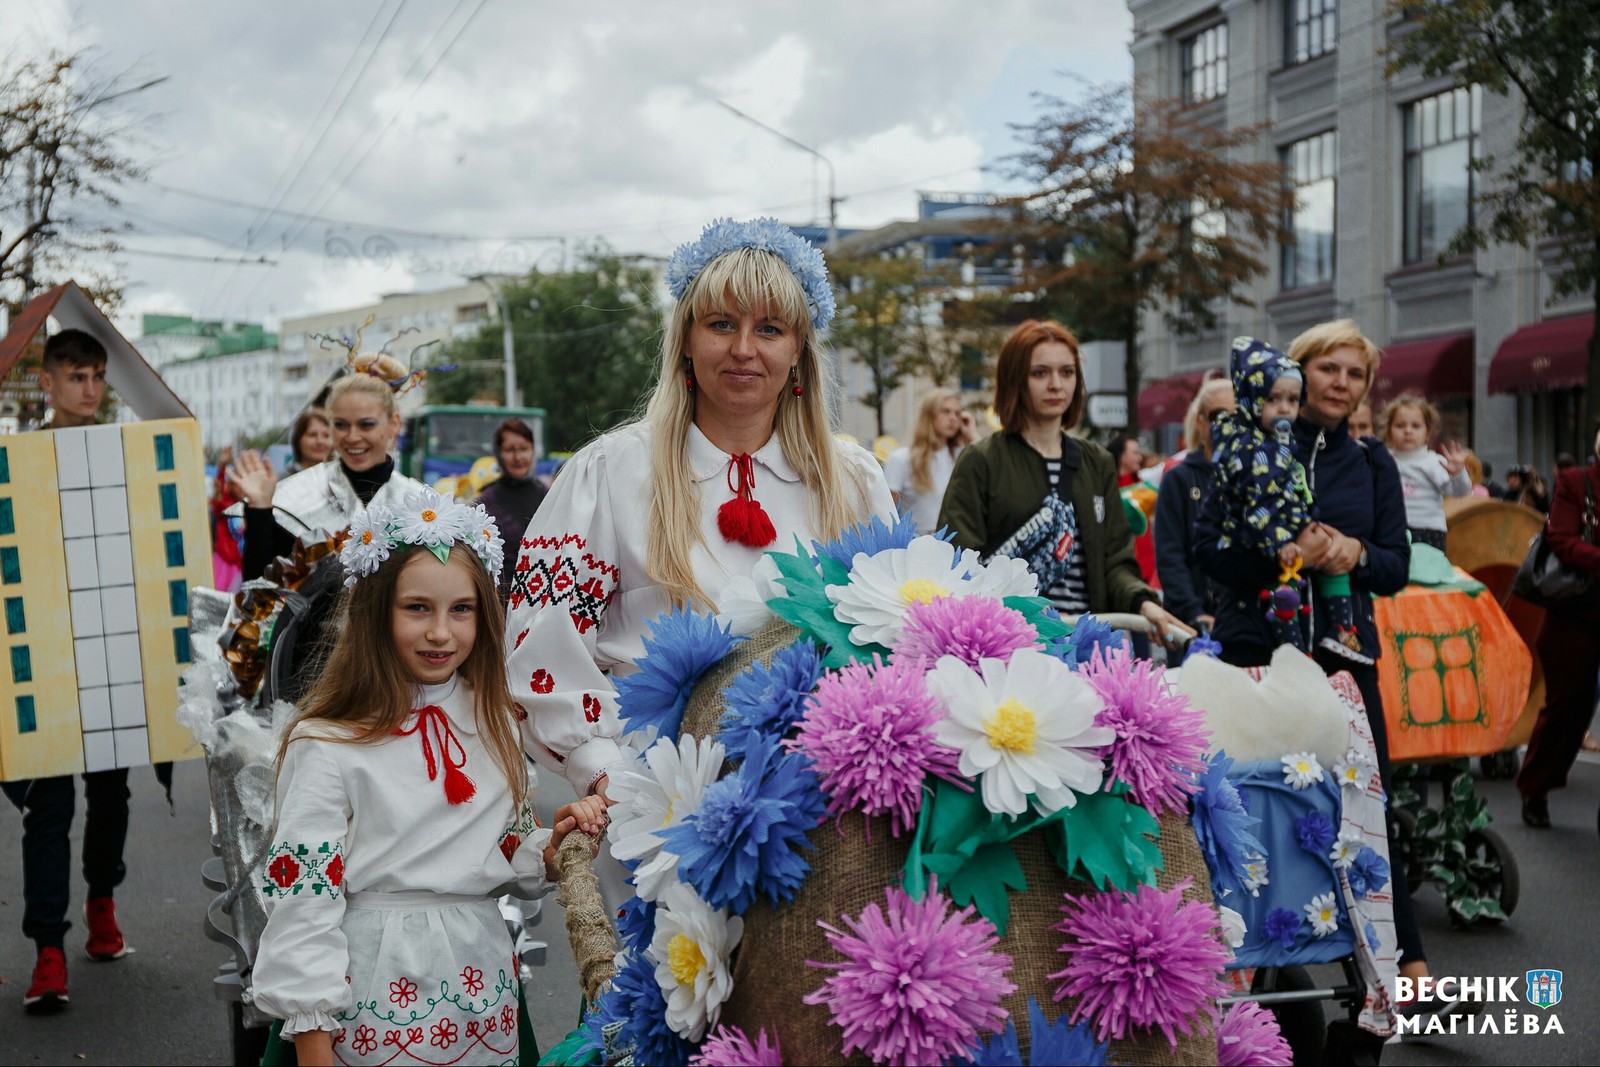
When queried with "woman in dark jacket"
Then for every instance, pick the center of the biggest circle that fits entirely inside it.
(512, 498)
(1033, 492)
(1568, 644)
(1190, 593)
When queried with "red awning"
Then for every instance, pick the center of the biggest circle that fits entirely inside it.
(1436, 368)
(1544, 356)
(1166, 400)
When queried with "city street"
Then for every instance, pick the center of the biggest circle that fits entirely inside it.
(155, 1006)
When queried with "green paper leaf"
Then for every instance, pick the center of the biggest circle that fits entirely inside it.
(959, 822)
(1033, 609)
(440, 552)
(1108, 841)
(986, 881)
(833, 572)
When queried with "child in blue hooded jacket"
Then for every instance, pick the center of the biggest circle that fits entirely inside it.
(1266, 499)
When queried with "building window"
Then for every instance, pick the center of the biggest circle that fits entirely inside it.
(27, 718)
(1205, 64)
(1310, 166)
(1441, 143)
(1312, 28)
(164, 457)
(16, 616)
(169, 501)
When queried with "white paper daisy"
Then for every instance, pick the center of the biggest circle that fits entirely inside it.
(882, 587)
(1026, 727)
(1347, 848)
(1352, 770)
(659, 791)
(1301, 769)
(368, 546)
(1001, 577)
(484, 538)
(690, 949)
(426, 518)
(742, 607)
(1323, 913)
(1233, 927)
(1255, 875)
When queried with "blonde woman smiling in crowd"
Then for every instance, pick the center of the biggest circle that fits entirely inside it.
(918, 475)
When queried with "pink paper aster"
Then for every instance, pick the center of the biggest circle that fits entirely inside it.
(869, 731)
(1143, 959)
(918, 986)
(968, 628)
(1249, 1037)
(1161, 740)
(728, 1047)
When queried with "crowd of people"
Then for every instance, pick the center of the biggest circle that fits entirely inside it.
(476, 633)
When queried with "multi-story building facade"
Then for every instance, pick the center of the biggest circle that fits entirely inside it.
(1382, 168)
(232, 376)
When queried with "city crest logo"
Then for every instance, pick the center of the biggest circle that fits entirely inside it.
(1544, 988)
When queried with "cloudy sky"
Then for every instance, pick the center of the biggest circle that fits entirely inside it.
(404, 143)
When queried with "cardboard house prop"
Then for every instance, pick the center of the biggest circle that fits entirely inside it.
(103, 531)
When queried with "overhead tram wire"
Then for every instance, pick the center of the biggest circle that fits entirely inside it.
(269, 210)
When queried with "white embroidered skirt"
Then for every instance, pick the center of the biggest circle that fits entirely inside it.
(434, 981)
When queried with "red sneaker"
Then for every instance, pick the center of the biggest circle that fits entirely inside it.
(105, 940)
(48, 993)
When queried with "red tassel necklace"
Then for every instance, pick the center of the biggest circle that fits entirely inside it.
(743, 520)
(458, 788)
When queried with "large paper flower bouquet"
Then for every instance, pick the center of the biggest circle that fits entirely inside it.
(896, 810)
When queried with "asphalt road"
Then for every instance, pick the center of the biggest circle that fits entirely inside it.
(156, 1007)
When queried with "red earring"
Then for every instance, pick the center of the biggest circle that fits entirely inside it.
(688, 379)
(794, 380)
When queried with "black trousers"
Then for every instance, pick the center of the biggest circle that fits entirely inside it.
(1366, 678)
(47, 805)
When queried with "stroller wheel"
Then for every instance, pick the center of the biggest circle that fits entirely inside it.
(1505, 885)
(1499, 765)
(1304, 1025)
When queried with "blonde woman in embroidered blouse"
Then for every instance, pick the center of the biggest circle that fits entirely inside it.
(918, 474)
(634, 523)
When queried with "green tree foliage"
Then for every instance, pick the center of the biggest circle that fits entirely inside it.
(587, 344)
(1140, 204)
(1547, 54)
(878, 324)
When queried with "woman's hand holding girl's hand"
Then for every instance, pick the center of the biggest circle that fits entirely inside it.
(251, 479)
(588, 815)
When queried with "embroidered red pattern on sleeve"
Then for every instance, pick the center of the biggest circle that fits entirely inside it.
(293, 868)
(557, 571)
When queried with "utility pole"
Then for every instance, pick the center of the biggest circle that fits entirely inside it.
(508, 343)
(833, 199)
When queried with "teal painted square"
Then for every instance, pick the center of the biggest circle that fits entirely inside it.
(16, 616)
(180, 644)
(21, 664)
(164, 460)
(169, 501)
(174, 548)
(27, 721)
(8, 521)
(5, 467)
(10, 565)
(178, 593)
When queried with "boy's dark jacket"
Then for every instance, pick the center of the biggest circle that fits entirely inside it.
(1356, 486)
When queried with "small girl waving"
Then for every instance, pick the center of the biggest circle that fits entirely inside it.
(405, 809)
(1426, 477)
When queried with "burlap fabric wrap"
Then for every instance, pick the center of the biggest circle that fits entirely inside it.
(851, 867)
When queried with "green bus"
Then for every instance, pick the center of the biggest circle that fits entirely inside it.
(445, 440)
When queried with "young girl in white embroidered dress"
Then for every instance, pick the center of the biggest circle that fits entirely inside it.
(404, 809)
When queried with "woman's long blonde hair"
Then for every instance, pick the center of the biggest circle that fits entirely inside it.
(752, 280)
(365, 687)
(925, 439)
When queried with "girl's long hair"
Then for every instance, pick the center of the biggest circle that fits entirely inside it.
(925, 440)
(365, 686)
(751, 279)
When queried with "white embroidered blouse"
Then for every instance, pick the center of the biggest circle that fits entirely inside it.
(581, 598)
(369, 818)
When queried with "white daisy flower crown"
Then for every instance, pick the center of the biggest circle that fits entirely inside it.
(425, 518)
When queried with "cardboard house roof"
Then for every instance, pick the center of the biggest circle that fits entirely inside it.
(135, 382)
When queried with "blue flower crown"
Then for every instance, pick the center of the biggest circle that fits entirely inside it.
(769, 235)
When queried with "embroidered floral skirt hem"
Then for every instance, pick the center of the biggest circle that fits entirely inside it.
(434, 984)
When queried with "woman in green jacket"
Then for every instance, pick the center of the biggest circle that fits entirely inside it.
(1033, 492)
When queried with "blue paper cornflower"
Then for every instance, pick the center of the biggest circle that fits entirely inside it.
(1314, 831)
(1368, 874)
(1052, 1043)
(766, 702)
(636, 924)
(769, 235)
(1089, 635)
(746, 835)
(1282, 925)
(1223, 826)
(1203, 645)
(681, 647)
(636, 999)
(872, 536)
(1371, 933)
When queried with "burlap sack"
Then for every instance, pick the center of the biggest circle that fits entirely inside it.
(853, 864)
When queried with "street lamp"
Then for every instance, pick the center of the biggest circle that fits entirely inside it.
(507, 342)
(833, 201)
